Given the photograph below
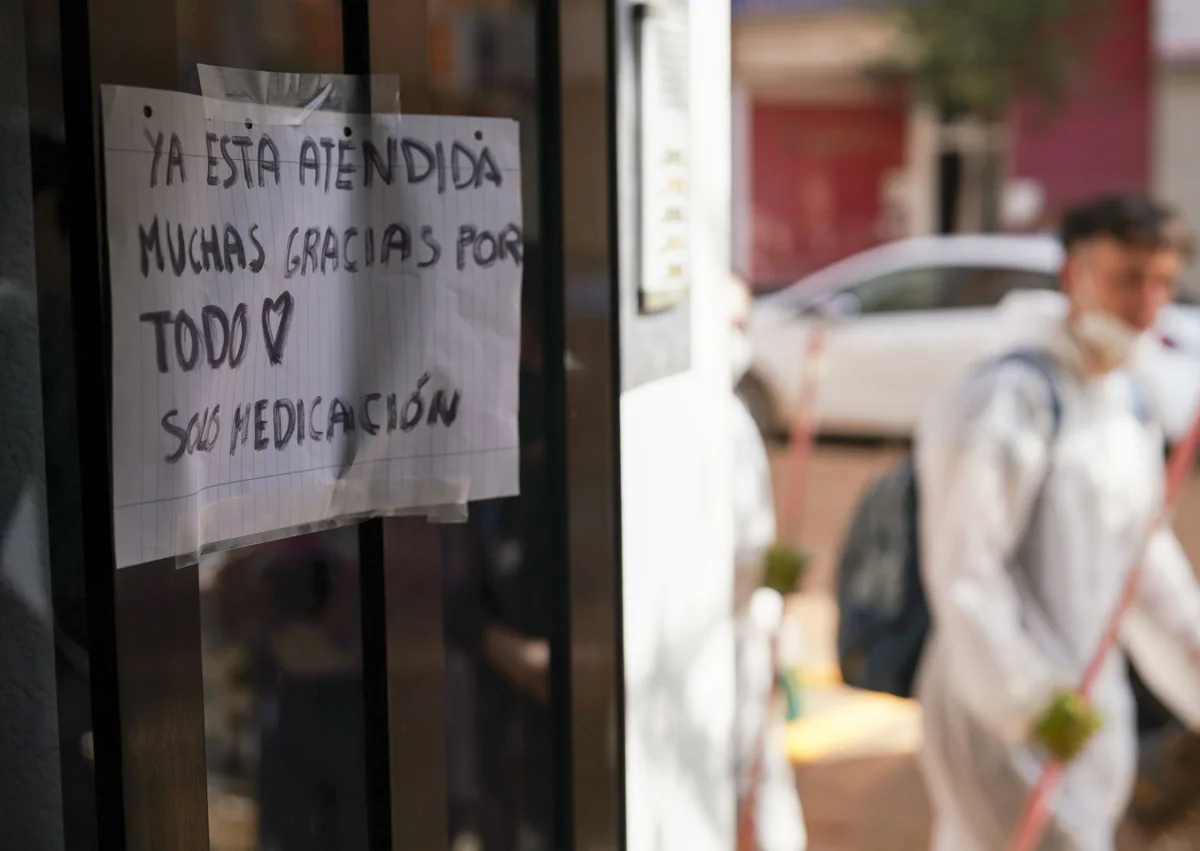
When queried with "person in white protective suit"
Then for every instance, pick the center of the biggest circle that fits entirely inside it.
(1031, 517)
(778, 818)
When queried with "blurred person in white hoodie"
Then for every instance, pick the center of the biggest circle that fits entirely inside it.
(778, 818)
(1035, 488)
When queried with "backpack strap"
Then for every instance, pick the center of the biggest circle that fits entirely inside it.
(1041, 363)
(1137, 398)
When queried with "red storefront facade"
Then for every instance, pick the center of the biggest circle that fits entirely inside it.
(1102, 139)
(817, 171)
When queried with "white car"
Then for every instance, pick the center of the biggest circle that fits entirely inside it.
(905, 320)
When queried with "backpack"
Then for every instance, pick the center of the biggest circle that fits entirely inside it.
(883, 616)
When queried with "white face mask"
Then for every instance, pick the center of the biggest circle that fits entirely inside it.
(1109, 340)
(740, 354)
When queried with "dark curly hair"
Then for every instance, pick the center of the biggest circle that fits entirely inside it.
(1133, 219)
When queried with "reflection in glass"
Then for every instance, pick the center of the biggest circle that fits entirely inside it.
(45, 726)
(283, 696)
(499, 615)
(274, 35)
(499, 575)
(282, 640)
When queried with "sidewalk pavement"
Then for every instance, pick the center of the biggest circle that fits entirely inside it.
(856, 770)
(854, 752)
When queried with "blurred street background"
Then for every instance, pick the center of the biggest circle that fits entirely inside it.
(840, 144)
(859, 123)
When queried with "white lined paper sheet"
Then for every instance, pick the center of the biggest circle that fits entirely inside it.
(393, 271)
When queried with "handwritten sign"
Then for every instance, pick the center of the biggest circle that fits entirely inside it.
(310, 322)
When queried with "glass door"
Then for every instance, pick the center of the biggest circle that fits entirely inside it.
(396, 682)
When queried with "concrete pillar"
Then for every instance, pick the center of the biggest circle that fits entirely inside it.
(742, 147)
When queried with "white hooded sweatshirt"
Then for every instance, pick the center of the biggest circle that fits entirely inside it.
(1026, 539)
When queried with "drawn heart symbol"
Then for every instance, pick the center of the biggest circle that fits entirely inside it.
(278, 340)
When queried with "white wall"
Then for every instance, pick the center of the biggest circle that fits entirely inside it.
(678, 578)
(1176, 141)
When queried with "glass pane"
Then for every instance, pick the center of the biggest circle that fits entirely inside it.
(47, 770)
(270, 35)
(912, 289)
(282, 645)
(988, 287)
(471, 608)
(281, 627)
(282, 635)
(499, 578)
